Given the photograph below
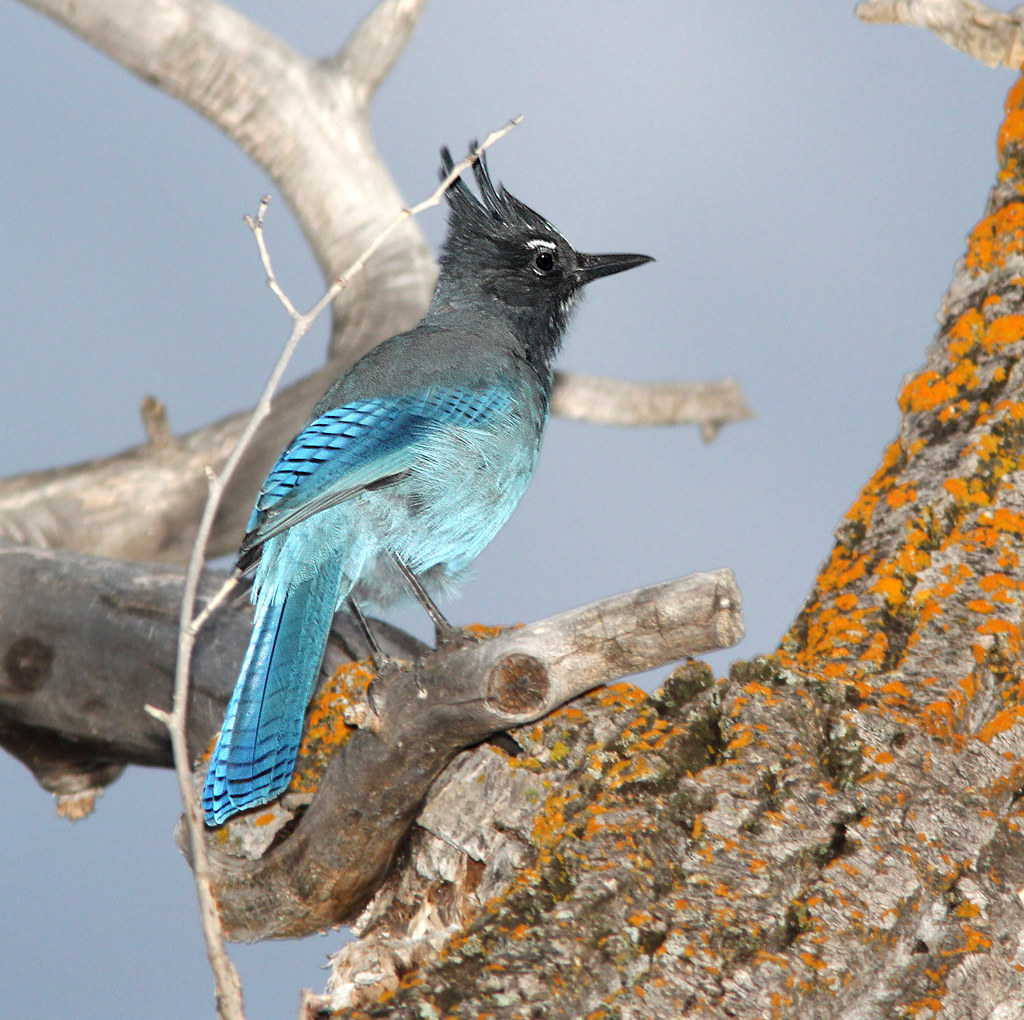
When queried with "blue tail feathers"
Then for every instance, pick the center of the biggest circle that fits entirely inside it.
(255, 754)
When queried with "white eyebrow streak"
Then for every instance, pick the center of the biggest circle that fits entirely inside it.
(539, 242)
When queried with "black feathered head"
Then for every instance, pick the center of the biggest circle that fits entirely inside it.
(502, 252)
(494, 214)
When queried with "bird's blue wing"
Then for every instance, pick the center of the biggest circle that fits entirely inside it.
(358, 446)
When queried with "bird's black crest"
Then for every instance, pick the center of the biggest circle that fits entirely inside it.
(494, 209)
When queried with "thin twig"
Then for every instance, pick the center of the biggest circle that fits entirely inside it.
(228, 986)
(154, 421)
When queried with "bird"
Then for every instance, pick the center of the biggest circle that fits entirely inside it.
(410, 464)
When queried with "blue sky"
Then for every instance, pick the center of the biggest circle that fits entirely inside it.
(805, 182)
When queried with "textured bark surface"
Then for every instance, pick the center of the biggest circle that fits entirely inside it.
(833, 831)
(313, 859)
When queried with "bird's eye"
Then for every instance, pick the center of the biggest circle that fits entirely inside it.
(543, 262)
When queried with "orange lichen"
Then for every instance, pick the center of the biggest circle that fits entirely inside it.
(745, 737)
(1007, 329)
(939, 718)
(1001, 722)
(925, 392)
(980, 606)
(813, 961)
(483, 632)
(997, 236)
(326, 729)
(1011, 131)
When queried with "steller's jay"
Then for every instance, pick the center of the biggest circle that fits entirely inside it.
(410, 464)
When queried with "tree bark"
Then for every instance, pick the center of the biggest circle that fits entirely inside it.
(315, 858)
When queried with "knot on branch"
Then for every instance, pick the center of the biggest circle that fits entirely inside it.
(517, 684)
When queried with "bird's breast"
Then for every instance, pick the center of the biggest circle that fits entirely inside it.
(462, 487)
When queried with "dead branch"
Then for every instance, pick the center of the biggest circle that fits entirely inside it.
(710, 405)
(86, 642)
(993, 37)
(323, 870)
(305, 122)
(307, 125)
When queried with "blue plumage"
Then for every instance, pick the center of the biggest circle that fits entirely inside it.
(415, 458)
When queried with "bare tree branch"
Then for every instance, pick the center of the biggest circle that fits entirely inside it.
(322, 869)
(305, 122)
(991, 36)
(616, 402)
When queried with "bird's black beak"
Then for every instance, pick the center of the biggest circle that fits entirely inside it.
(591, 267)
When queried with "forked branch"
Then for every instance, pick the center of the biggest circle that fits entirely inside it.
(320, 872)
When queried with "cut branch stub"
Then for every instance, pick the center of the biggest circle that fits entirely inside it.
(517, 684)
(323, 868)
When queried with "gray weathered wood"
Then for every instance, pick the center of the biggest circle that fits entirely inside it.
(87, 642)
(991, 36)
(617, 402)
(326, 867)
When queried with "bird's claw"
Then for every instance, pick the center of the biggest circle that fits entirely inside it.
(447, 638)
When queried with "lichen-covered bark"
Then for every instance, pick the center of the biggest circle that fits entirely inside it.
(314, 859)
(833, 831)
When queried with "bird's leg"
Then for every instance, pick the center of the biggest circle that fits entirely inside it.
(444, 632)
(379, 658)
(385, 666)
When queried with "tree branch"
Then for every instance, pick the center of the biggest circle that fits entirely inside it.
(991, 36)
(307, 125)
(616, 402)
(309, 875)
(305, 122)
(86, 642)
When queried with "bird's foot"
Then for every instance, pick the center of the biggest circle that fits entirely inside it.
(387, 670)
(447, 637)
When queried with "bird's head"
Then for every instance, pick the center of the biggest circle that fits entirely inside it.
(499, 250)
